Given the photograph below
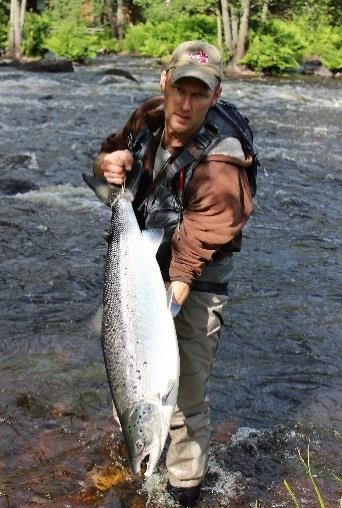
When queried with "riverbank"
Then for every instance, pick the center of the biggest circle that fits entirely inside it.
(52, 63)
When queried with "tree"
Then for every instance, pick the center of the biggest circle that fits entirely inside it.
(17, 17)
(119, 19)
(264, 11)
(109, 9)
(235, 29)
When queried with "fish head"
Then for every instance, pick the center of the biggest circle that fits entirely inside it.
(144, 433)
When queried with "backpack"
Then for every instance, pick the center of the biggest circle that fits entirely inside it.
(229, 113)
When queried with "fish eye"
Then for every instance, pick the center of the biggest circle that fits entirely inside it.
(139, 445)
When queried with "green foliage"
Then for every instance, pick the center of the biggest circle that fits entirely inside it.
(279, 45)
(322, 38)
(277, 48)
(159, 39)
(157, 10)
(36, 30)
(106, 43)
(3, 27)
(73, 40)
(61, 10)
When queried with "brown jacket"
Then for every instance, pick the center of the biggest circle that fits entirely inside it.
(219, 199)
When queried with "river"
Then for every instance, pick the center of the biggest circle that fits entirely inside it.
(276, 386)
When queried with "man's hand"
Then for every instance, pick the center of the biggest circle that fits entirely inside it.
(180, 290)
(113, 166)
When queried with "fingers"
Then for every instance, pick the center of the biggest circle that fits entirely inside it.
(114, 166)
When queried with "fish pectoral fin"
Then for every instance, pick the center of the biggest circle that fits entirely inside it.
(167, 395)
(106, 192)
(154, 237)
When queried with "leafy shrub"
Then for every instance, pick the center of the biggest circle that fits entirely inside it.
(279, 47)
(106, 43)
(322, 39)
(73, 40)
(328, 45)
(159, 40)
(157, 10)
(3, 28)
(36, 30)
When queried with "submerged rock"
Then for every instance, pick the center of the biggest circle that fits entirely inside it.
(314, 66)
(55, 64)
(9, 186)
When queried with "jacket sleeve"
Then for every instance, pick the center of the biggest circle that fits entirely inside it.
(218, 206)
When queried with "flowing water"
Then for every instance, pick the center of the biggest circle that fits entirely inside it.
(276, 384)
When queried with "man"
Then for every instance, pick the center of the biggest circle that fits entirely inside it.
(202, 207)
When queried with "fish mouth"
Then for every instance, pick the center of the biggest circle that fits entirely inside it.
(145, 463)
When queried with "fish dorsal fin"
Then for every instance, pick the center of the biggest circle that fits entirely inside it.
(106, 192)
(154, 237)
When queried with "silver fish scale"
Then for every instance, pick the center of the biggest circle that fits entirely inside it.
(139, 340)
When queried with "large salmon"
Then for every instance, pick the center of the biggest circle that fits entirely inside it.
(138, 335)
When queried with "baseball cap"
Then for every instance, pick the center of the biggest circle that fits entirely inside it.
(196, 59)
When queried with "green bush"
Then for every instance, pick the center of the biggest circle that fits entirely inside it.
(3, 28)
(279, 47)
(322, 39)
(36, 30)
(328, 45)
(106, 43)
(157, 10)
(159, 40)
(73, 40)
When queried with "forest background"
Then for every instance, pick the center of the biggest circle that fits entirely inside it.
(261, 35)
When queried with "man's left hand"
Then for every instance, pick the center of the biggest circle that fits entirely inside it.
(180, 290)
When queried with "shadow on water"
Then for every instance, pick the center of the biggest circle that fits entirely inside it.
(276, 384)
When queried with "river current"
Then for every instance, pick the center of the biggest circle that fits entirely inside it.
(276, 386)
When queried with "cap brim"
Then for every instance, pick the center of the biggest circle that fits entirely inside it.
(194, 71)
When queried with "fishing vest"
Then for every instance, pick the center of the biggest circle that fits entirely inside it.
(162, 205)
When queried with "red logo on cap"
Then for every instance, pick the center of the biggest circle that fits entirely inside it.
(200, 56)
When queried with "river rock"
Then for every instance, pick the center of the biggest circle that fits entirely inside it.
(314, 66)
(48, 65)
(10, 186)
(324, 72)
(44, 65)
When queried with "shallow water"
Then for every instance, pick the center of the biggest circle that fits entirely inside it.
(277, 379)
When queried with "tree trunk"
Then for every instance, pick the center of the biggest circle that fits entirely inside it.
(110, 16)
(264, 11)
(119, 19)
(235, 30)
(243, 30)
(22, 15)
(219, 29)
(226, 26)
(17, 17)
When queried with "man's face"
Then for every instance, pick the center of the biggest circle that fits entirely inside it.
(186, 104)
